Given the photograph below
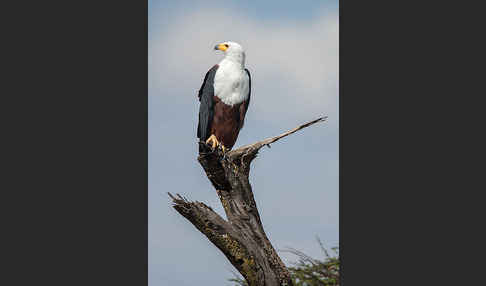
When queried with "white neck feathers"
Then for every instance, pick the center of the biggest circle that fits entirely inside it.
(231, 82)
(236, 58)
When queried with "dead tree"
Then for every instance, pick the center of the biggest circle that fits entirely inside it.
(241, 238)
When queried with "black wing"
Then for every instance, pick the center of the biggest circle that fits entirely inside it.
(206, 108)
(249, 90)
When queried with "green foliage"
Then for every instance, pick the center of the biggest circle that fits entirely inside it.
(308, 271)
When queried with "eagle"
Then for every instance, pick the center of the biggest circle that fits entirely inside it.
(224, 98)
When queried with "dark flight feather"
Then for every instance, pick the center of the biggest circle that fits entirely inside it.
(206, 108)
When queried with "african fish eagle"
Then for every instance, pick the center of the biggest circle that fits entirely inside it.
(224, 97)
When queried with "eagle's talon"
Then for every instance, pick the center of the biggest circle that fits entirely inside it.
(223, 148)
(212, 141)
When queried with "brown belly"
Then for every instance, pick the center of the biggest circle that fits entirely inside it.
(226, 123)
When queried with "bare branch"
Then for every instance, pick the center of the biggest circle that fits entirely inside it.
(253, 148)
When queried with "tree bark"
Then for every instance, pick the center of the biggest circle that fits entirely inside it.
(242, 238)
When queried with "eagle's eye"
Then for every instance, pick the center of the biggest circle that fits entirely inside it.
(226, 45)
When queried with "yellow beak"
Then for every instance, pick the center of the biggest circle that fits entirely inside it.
(220, 47)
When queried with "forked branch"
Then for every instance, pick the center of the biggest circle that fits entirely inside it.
(241, 237)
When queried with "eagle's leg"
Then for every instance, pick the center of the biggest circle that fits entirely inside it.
(213, 141)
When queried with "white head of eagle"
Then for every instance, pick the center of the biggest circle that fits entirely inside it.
(233, 52)
(224, 97)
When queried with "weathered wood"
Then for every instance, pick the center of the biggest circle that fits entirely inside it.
(242, 238)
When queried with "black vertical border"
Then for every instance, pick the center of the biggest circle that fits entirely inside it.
(408, 127)
(75, 106)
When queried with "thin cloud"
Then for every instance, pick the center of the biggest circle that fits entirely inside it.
(295, 64)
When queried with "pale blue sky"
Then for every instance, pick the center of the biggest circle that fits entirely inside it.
(292, 54)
